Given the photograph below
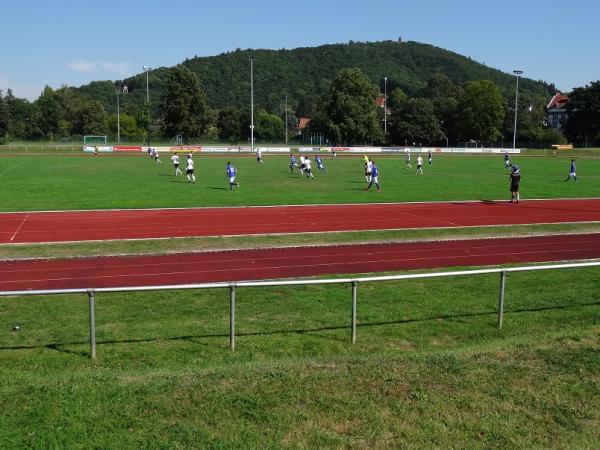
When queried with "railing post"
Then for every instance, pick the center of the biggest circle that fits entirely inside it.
(354, 289)
(501, 298)
(92, 300)
(232, 289)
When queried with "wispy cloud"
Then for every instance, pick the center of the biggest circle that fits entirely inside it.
(102, 67)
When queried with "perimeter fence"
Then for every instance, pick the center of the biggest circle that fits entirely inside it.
(353, 282)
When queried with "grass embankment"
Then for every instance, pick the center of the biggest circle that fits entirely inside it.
(429, 369)
(49, 182)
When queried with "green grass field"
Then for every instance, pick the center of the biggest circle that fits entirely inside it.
(429, 370)
(57, 182)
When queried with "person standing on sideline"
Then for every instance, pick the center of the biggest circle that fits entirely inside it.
(430, 157)
(506, 160)
(259, 156)
(231, 173)
(407, 164)
(374, 178)
(320, 164)
(515, 179)
(419, 165)
(572, 173)
(293, 162)
(189, 170)
(175, 160)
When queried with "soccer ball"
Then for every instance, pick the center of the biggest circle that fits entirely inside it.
(16, 328)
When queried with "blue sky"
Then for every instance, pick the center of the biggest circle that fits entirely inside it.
(60, 42)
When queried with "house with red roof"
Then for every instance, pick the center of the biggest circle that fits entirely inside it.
(556, 111)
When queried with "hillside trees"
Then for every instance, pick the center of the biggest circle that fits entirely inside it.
(415, 122)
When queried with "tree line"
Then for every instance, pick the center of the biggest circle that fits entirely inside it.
(441, 112)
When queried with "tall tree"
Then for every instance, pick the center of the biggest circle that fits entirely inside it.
(50, 113)
(184, 109)
(415, 122)
(92, 118)
(233, 124)
(269, 127)
(4, 118)
(350, 111)
(480, 111)
(583, 126)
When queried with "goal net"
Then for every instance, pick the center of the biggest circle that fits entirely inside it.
(94, 140)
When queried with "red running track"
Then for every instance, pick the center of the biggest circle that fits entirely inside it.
(289, 262)
(164, 223)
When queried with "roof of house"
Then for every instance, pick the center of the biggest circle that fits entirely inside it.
(303, 123)
(380, 100)
(559, 101)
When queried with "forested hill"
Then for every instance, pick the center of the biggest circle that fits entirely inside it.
(304, 74)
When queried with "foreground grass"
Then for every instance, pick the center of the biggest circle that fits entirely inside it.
(200, 244)
(429, 369)
(57, 182)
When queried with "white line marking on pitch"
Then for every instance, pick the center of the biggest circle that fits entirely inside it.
(20, 226)
(12, 168)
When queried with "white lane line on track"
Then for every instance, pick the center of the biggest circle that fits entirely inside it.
(496, 201)
(298, 267)
(20, 226)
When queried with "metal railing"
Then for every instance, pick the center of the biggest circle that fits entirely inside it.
(234, 286)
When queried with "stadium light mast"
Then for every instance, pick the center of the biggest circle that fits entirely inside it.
(147, 69)
(119, 91)
(385, 105)
(286, 120)
(252, 104)
(518, 74)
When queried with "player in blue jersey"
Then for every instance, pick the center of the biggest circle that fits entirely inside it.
(572, 172)
(231, 174)
(374, 177)
(320, 165)
(430, 157)
(293, 162)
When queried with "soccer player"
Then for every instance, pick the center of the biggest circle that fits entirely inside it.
(430, 158)
(175, 160)
(293, 162)
(419, 165)
(307, 169)
(506, 160)
(368, 170)
(231, 174)
(320, 164)
(189, 170)
(95, 150)
(572, 173)
(374, 177)
(407, 164)
(302, 164)
(515, 179)
(259, 156)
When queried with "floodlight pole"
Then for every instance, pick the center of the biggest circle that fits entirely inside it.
(252, 105)
(147, 70)
(286, 120)
(518, 74)
(118, 119)
(385, 105)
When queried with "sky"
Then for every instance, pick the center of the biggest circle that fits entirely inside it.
(73, 42)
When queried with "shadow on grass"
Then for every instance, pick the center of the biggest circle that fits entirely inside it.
(57, 345)
(215, 188)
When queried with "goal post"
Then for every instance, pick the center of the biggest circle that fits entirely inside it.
(94, 140)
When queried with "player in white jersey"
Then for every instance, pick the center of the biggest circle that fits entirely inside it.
(308, 169)
(407, 164)
(368, 170)
(175, 160)
(419, 165)
(189, 170)
(302, 164)
(259, 156)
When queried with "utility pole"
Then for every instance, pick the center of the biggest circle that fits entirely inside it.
(518, 74)
(286, 120)
(252, 104)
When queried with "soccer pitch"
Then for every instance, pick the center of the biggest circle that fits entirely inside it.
(59, 182)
